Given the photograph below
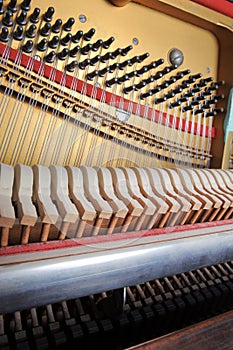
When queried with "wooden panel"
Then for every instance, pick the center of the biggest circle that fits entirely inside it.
(215, 333)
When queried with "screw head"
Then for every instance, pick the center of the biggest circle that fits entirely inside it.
(82, 18)
(135, 41)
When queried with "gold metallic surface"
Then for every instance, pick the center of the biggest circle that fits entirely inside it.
(46, 132)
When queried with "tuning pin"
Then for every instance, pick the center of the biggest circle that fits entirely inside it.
(171, 81)
(133, 60)
(184, 72)
(122, 79)
(155, 64)
(87, 36)
(102, 72)
(169, 95)
(71, 66)
(157, 76)
(76, 38)
(108, 42)
(195, 76)
(164, 85)
(155, 90)
(143, 57)
(212, 88)
(206, 92)
(54, 42)
(50, 57)
(212, 101)
(140, 85)
(4, 35)
(94, 60)
(126, 50)
(68, 25)
(149, 80)
(160, 100)
(74, 51)
(188, 81)
(84, 64)
(12, 6)
(128, 89)
(218, 110)
(178, 76)
(219, 97)
(183, 99)
(49, 14)
(184, 86)
(174, 104)
(150, 66)
(28, 46)
(198, 111)
(124, 64)
(205, 81)
(174, 66)
(219, 83)
(113, 67)
(141, 71)
(45, 30)
(26, 5)
(97, 45)
(66, 39)
(187, 108)
(7, 19)
(85, 50)
(21, 19)
(62, 55)
(18, 33)
(145, 95)
(111, 82)
(57, 26)
(42, 45)
(106, 57)
(116, 53)
(177, 89)
(92, 75)
(210, 114)
(196, 89)
(199, 98)
(188, 94)
(1, 7)
(31, 32)
(166, 70)
(195, 102)
(132, 74)
(34, 18)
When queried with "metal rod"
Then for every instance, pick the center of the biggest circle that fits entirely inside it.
(41, 282)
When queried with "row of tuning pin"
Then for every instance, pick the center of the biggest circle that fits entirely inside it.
(200, 98)
(198, 94)
(20, 25)
(24, 26)
(24, 29)
(56, 41)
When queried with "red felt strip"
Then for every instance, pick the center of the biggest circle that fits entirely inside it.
(223, 6)
(87, 241)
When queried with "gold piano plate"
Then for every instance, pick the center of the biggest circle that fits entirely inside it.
(50, 126)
